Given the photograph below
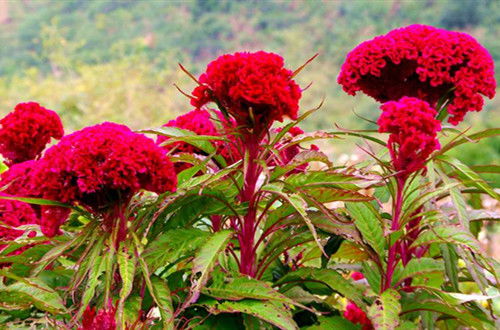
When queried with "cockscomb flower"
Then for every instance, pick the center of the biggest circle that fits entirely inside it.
(17, 180)
(252, 87)
(103, 320)
(201, 123)
(425, 62)
(100, 168)
(26, 131)
(356, 315)
(14, 214)
(413, 129)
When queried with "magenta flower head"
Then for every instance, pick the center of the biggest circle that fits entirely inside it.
(413, 133)
(26, 131)
(16, 182)
(252, 87)
(103, 320)
(100, 168)
(424, 62)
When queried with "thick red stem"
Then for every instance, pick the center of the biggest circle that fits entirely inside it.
(392, 259)
(246, 236)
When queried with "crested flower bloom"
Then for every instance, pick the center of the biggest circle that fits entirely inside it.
(15, 182)
(26, 131)
(356, 315)
(201, 123)
(103, 320)
(14, 214)
(425, 62)
(252, 87)
(100, 168)
(413, 129)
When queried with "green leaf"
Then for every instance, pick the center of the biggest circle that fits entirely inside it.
(468, 176)
(372, 275)
(447, 234)
(420, 266)
(36, 201)
(272, 312)
(163, 299)
(126, 267)
(450, 264)
(329, 277)
(30, 291)
(461, 314)
(384, 313)
(470, 138)
(173, 245)
(328, 195)
(204, 262)
(323, 179)
(369, 223)
(299, 204)
(240, 287)
(158, 290)
(92, 282)
(333, 323)
(59, 249)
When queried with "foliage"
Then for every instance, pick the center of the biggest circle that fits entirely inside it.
(276, 238)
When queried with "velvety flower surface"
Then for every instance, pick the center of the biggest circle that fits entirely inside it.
(100, 167)
(16, 182)
(250, 85)
(102, 320)
(26, 131)
(14, 214)
(424, 62)
(413, 132)
(356, 315)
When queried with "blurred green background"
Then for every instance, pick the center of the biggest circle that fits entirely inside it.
(117, 60)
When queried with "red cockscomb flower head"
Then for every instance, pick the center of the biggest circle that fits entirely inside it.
(413, 129)
(104, 320)
(425, 62)
(250, 85)
(14, 214)
(100, 167)
(17, 180)
(25, 132)
(356, 315)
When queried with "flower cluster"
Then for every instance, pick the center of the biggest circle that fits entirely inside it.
(103, 320)
(25, 132)
(413, 129)
(252, 87)
(100, 167)
(201, 123)
(356, 315)
(16, 181)
(14, 214)
(424, 62)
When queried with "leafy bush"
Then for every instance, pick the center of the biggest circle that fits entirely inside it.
(253, 226)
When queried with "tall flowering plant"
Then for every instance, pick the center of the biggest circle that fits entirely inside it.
(232, 218)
